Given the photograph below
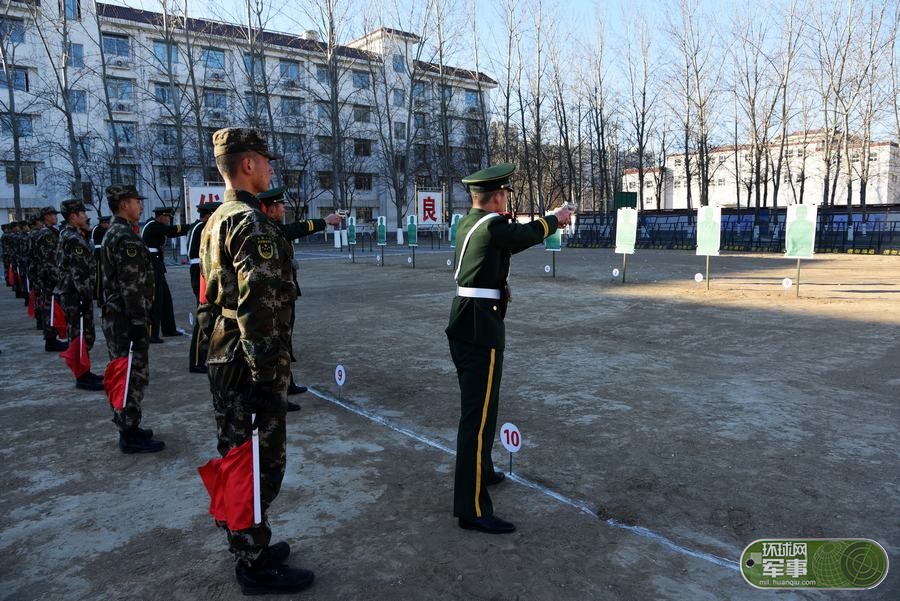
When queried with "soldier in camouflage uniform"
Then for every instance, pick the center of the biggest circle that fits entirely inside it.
(6, 259)
(249, 290)
(75, 287)
(128, 292)
(42, 266)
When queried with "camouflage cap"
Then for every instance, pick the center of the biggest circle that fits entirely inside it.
(208, 207)
(120, 192)
(233, 140)
(72, 205)
(272, 196)
(495, 177)
(48, 211)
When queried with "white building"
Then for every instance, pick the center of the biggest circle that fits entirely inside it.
(802, 175)
(219, 82)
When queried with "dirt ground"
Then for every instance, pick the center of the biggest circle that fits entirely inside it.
(665, 427)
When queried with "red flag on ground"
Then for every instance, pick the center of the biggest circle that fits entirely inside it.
(115, 382)
(229, 482)
(76, 357)
(31, 303)
(58, 318)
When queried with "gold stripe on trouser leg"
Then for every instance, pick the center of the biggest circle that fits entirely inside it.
(197, 344)
(484, 412)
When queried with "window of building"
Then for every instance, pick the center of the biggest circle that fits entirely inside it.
(125, 131)
(14, 28)
(325, 180)
(20, 79)
(399, 63)
(362, 181)
(123, 174)
(420, 153)
(26, 127)
(167, 175)
(162, 93)
(322, 74)
(418, 90)
(799, 178)
(322, 111)
(362, 114)
(325, 145)
(27, 175)
(400, 162)
(167, 135)
(678, 162)
(163, 50)
(873, 157)
(215, 99)
(213, 58)
(362, 148)
(254, 65)
(361, 80)
(722, 159)
(78, 101)
(291, 107)
(473, 157)
(293, 179)
(73, 9)
(446, 93)
(399, 97)
(75, 56)
(399, 130)
(121, 90)
(116, 45)
(676, 183)
(473, 127)
(720, 182)
(293, 143)
(471, 98)
(289, 70)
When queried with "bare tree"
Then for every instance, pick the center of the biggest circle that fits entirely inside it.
(642, 97)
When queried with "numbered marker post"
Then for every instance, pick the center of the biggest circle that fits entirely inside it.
(511, 439)
(340, 378)
(412, 236)
(381, 230)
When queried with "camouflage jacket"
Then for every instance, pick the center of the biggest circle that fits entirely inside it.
(76, 264)
(248, 274)
(42, 259)
(127, 273)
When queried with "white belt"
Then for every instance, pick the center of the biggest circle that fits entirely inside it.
(195, 261)
(153, 250)
(477, 292)
(98, 246)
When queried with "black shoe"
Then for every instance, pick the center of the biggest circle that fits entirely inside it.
(175, 333)
(142, 433)
(94, 377)
(198, 370)
(489, 523)
(293, 406)
(272, 579)
(54, 345)
(85, 382)
(496, 478)
(294, 389)
(133, 441)
(156, 340)
(279, 552)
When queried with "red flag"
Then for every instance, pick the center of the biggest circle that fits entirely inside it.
(58, 319)
(229, 482)
(202, 295)
(31, 303)
(115, 382)
(9, 276)
(76, 357)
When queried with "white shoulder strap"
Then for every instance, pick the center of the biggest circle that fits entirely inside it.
(144, 228)
(462, 252)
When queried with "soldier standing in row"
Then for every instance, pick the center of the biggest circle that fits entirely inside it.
(42, 263)
(272, 204)
(197, 359)
(477, 334)
(5, 241)
(128, 292)
(249, 292)
(75, 286)
(155, 233)
(97, 234)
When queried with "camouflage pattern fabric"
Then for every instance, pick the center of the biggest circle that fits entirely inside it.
(249, 291)
(77, 274)
(128, 291)
(43, 273)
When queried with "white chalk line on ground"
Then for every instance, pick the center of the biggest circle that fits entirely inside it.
(579, 505)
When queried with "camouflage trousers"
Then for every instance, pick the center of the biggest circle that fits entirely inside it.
(230, 384)
(69, 303)
(115, 328)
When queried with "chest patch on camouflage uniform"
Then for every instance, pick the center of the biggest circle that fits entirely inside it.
(265, 247)
(79, 251)
(131, 250)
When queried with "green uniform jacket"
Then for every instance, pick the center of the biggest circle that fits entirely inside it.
(76, 265)
(486, 265)
(127, 274)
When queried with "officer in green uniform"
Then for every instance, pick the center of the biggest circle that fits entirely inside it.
(272, 204)
(477, 336)
(249, 293)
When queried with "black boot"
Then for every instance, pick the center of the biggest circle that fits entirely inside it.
(292, 406)
(94, 377)
(133, 441)
(54, 345)
(264, 578)
(86, 382)
(294, 389)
